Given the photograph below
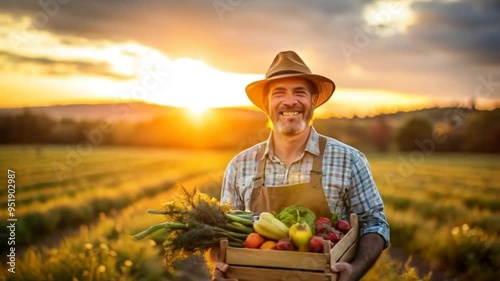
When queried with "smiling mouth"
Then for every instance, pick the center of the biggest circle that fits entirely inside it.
(290, 113)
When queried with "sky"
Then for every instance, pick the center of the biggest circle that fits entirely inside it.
(382, 55)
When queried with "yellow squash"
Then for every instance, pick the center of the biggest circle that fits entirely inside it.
(270, 227)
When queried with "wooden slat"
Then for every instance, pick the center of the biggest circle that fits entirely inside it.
(326, 250)
(243, 273)
(276, 259)
(346, 248)
(349, 254)
(223, 249)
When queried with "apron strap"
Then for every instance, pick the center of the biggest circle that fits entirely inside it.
(316, 171)
(258, 181)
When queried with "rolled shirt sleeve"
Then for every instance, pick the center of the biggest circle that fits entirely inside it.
(366, 201)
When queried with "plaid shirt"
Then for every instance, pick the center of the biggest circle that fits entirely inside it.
(347, 180)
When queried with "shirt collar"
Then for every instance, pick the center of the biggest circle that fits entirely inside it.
(312, 145)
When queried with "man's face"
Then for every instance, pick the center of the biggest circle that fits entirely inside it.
(290, 105)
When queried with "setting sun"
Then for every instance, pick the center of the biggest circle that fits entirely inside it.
(197, 109)
(197, 86)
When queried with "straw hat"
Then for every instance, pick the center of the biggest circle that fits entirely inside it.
(289, 64)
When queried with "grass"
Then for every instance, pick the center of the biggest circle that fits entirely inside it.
(110, 179)
(442, 209)
(86, 219)
(428, 200)
(104, 250)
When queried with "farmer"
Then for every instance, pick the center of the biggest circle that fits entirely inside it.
(297, 166)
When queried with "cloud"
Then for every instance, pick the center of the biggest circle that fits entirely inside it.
(259, 29)
(470, 29)
(197, 28)
(11, 62)
(449, 43)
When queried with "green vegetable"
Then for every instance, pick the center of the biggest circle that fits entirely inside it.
(297, 214)
(194, 223)
(238, 227)
(169, 226)
(236, 218)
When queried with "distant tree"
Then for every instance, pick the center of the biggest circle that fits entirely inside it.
(414, 130)
(452, 137)
(65, 131)
(27, 128)
(4, 124)
(482, 132)
(381, 133)
(357, 135)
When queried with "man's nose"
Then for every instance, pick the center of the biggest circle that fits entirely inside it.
(289, 100)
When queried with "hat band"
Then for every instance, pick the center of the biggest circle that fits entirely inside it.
(285, 72)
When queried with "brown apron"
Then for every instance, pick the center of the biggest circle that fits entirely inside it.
(276, 198)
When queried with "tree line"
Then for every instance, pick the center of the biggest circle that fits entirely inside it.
(451, 130)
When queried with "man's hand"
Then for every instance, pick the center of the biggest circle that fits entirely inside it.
(369, 249)
(217, 275)
(345, 271)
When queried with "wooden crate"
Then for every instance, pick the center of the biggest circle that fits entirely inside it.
(274, 265)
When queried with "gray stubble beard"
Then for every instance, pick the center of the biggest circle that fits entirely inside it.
(286, 129)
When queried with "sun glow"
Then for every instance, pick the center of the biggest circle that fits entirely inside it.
(388, 17)
(197, 109)
(121, 71)
(197, 86)
(366, 102)
(70, 69)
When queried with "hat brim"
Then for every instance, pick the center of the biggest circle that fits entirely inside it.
(325, 87)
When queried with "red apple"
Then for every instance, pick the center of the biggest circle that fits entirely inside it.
(343, 226)
(316, 244)
(321, 224)
(284, 245)
(332, 235)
